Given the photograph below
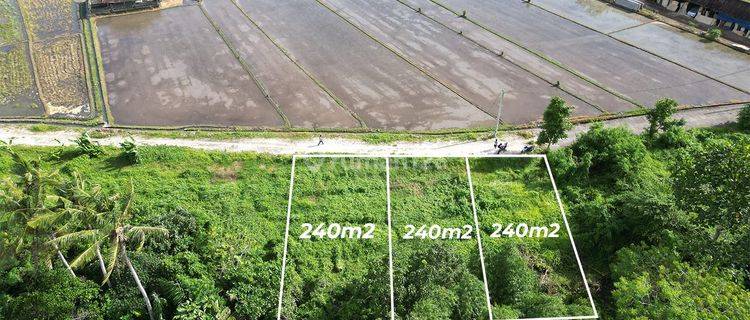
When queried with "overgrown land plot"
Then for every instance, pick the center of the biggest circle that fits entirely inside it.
(225, 217)
(170, 68)
(437, 270)
(337, 260)
(532, 270)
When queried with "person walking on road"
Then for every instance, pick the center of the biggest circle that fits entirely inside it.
(320, 140)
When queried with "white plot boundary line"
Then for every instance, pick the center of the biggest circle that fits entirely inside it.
(390, 234)
(528, 156)
(572, 242)
(476, 221)
(479, 239)
(286, 238)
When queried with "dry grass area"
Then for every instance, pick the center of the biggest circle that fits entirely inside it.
(59, 66)
(170, 3)
(15, 79)
(48, 18)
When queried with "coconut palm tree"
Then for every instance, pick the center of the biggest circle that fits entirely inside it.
(116, 232)
(88, 207)
(28, 200)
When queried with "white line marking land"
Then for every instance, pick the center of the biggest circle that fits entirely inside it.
(570, 235)
(390, 234)
(479, 238)
(286, 238)
(476, 226)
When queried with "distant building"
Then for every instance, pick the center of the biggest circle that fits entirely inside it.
(730, 15)
(101, 7)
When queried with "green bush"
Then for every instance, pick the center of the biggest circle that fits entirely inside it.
(674, 137)
(713, 34)
(130, 151)
(85, 146)
(609, 153)
(744, 118)
(49, 294)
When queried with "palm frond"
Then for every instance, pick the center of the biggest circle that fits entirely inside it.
(139, 234)
(85, 257)
(129, 202)
(149, 230)
(115, 251)
(45, 220)
(79, 236)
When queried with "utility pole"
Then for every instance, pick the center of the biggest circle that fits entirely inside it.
(499, 112)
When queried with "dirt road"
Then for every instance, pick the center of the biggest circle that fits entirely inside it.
(706, 117)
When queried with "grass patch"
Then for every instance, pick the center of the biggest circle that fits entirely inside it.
(92, 66)
(45, 128)
(10, 31)
(15, 76)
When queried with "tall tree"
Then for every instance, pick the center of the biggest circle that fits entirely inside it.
(714, 182)
(116, 233)
(660, 117)
(79, 207)
(27, 200)
(556, 122)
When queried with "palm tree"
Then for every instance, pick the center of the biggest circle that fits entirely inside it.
(88, 206)
(27, 201)
(117, 233)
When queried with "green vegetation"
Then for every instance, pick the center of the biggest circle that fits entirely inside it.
(713, 34)
(225, 216)
(92, 66)
(434, 278)
(86, 146)
(42, 127)
(337, 278)
(744, 118)
(130, 152)
(15, 76)
(528, 277)
(9, 29)
(556, 122)
(662, 230)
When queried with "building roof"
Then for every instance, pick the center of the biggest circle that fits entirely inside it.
(735, 8)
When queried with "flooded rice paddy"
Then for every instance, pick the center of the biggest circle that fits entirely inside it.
(348, 64)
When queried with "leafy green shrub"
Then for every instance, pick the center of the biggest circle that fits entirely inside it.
(49, 294)
(85, 146)
(713, 34)
(662, 287)
(674, 137)
(512, 278)
(660, 117)
(609, 153)
(130, 152)
(744, 118)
